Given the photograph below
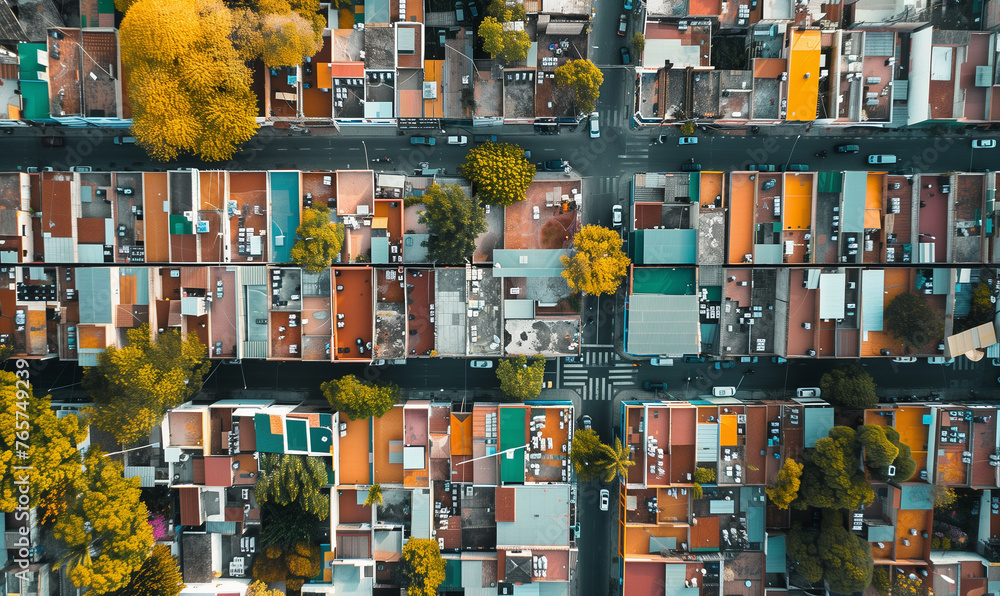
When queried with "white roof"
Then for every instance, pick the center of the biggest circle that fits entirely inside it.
(831, 295)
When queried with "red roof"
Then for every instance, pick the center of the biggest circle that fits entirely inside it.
(505, 504)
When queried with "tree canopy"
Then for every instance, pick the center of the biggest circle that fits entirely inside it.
(284, 526)
(840, 558)
(704, 475)
(585, 79)
(285, 479)
(374, 495)
(499, 173)
(878, 450)
(594, 460)
(359, 399)
(849, 387)
(423, 568)
(159, 575)
(294, 566)
(105, 515)
(502, 39)
(786, 488)
(831, 476)
(132, 387)
(189, 87)
(520, 380)
(912, 321)
(903, 460)
(597, 264)
(259, 588)
(455, 220)
(318, 240)
(638, 44)
(29, 427)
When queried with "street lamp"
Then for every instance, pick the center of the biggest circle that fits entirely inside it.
(153, 445)
(792, 152)
(511, 450)
(366, 151)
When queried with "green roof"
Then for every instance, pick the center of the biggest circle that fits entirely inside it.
(28, 66)
(678, 281)
(35, 95)
(776, 561)
(512, 434)
(452, 573)
(297, 431)
(881, 533)
(267, 441)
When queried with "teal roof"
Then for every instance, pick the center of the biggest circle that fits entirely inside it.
(349, 582)
(776, 561)
(881, 533)
(528, 263)
(512, 434)
(657, 544)
(755, 524)
(267, 441)
(284, 213)
(916, 496)
(852, 218)
(220, 527)
(818, 422)
(93, 286)
(452, 573)
(296, 431)
(673, 581)
(28, 66)
(664, 247)
(380, 250)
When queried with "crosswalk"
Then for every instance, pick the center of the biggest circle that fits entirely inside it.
(605, 185)
(601, 374)
(963, 364)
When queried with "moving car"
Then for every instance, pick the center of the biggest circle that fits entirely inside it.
(904, 359)
(687, 141)
(622, 25)
(654, 386)
(430, 141)
(808, 392)
(481, 364)
(984, 144)
(723, 391)
(588, 423)
(124, 140)
(848, 148)
(661, 362)
(724, 364)
(595, 125)
(605, 499)
(626, 56)
(691, 167)
(616, 216)
(749, 359)
(553, 165)
(880, 159)
(458, 140)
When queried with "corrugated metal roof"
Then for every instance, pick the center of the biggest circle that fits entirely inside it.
(141, 282)
(872, 300)
(817, 425)
(832, 292)
(190, 499)
(852, 216)
(518, 309)
(660, 324)
(775, 561)
(755, 524)
(227, 528)
(93, 286)
(58, 250)
(528, 263)
(504, 497)
(90, 253)
(542, 514)
(708, 442)
(145, 474)
(721, 506)
(420, 519)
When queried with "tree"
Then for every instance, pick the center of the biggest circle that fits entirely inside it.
(51, 457)
(597, 264)
(423, 568)
(831, 476)
(455, 221)
(285, 479)
(284, 526)
(904, 463)
(360, 399)
(498, 9)
(520, 381)
(104, 528)
(878, 450)
(132, 387)
(294, 566)
(259, 588)
(286, 39)
(912, 321)
(786, 488)
(159, 575)
(880, 581)
(704, 475)
(499, 173)
(849, 387)
(687, 128)
(585, 79)
(374, 495)
(614, 461)
(501, 38)
(944, 496)
(840, 558)
(803, 554)
(189, 87)
(584, 454)
(318, 240)
(638, 44)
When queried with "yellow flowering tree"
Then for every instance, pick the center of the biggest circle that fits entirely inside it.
(499, 173)
(597, 264)
(319, 239)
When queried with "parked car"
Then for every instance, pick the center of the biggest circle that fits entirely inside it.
(81, 169)
(552, 165)
(622, 25)
(691, 167)
(762, 167)
(595, 125)
(661, 362)
(721, 364)
(723, 391)
(687, 141)
(940, 360)
(692, 359)
(628, 4)
(904, 359)
(473, 10)
(484, 138)
(778, 360)
(654, 386)
(53, 141)
(481, 364)
(459, 11)
(431, 141)
(769, 184)
(458, 140)
(808, 392)
(124, 140)
(626, 56)
(588, 423)
(616, 216)
(795, 167)
(748, 359)
(984, 144)
(605, 499)
(848, 148)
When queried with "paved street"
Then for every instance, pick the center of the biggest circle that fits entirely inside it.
(598, 373)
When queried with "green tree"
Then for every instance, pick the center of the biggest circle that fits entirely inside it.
(188, 85)
(912, 321)
(840, 558)
(786, 488)
(133, 386)
(597, 265)
(614, 461)
(704, 475)
(849, 387)
(455, 221)
(687, 128)
(423, 568)
(359, 399)
(284, 526)
(944, 496)
(585, 79)
(374, 495)
(499, 9)
(831, 476)
(52, 458)
(904, 463)
(981, 311)
(318, 240)
(880, 581)
(638, 44)
(520, 381)
(499, 173)
(159, 575)
(503, 39)
(878, 450)
(585, 455)
(259, 588)
(302, 562)
(104, 527)
(286, 479)
(803, 554)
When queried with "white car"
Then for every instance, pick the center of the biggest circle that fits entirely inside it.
(940, 360)
(595, 125)
(481, 364)
(984, 144)
(723, 391)
(904, 359)
(605, 499)
(458, 140)
(808, 392)
(616, 216)
(661, 362)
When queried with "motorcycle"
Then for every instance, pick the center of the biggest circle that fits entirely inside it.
(381, 160)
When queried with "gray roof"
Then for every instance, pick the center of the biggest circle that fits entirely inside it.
(350, 580)
(420, 514)
(661, 324)
(93, 286)
(528, 263)
(541, 517)
(196, 557)
(449, 298)
(414, 250)
(852, 216)
(10, 28)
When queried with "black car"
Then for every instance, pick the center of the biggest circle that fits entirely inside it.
(484, 138)
(555, 165)
(473, 10)
(626, 56)
(691, 167)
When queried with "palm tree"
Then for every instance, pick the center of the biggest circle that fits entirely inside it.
(374, 495)
(614, 460)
